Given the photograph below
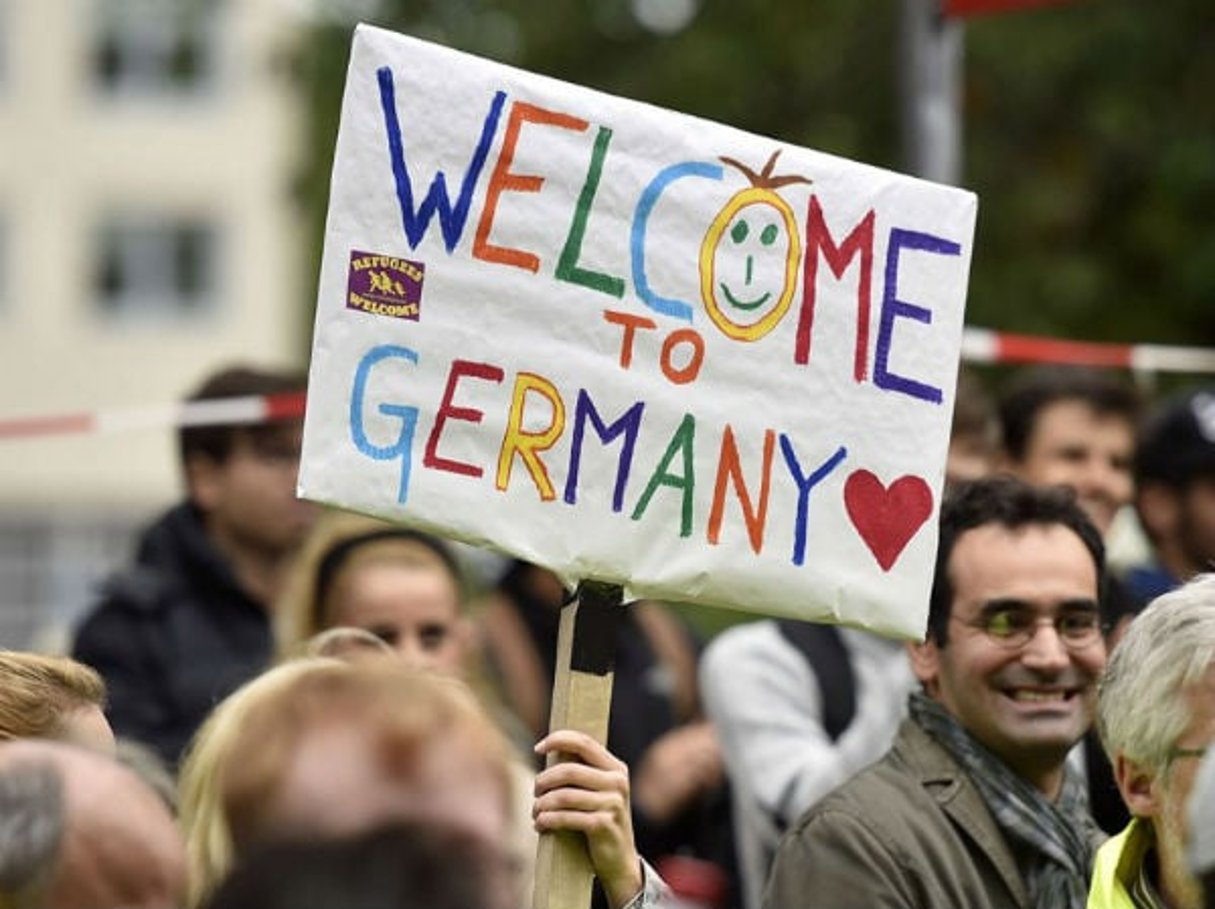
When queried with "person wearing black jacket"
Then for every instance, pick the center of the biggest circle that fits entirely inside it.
(188, 622)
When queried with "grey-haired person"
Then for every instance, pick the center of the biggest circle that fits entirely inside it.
(1156, 714)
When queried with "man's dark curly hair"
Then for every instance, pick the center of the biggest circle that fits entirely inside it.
(1032, 391)
(1010, 503)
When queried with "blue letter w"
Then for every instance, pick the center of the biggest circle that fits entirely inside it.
(452, 221)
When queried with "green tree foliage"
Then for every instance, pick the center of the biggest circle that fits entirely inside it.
(1091, 141)
(1089, 127)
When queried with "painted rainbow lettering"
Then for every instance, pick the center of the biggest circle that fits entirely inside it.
(538, 418)
(757, 260)
(747, 270)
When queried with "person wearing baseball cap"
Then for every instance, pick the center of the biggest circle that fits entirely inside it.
(1175, 491)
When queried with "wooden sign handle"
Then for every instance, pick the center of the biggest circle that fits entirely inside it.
(582, 700)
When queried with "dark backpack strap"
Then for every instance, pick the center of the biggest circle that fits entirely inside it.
(824, 650)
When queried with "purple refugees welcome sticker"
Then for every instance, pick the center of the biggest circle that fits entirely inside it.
(385, 285)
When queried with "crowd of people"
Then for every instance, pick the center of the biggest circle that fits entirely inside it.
(279, 705)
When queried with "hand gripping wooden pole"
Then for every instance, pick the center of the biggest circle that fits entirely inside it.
(582, 700)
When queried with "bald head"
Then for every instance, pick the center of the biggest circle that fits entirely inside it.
(116, 844)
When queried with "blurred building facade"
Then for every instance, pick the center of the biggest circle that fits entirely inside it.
(148, 234)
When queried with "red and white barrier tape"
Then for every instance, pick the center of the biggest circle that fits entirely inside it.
(228, 411)
(979, 345)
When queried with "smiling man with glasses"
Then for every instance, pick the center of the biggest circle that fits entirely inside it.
(1157, 719)
(975, 805)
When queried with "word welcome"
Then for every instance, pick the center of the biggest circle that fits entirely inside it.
(744, 319)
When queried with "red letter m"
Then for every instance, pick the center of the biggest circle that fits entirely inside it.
(818, 238)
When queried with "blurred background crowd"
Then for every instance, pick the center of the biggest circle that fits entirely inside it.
(163, 183)
(164, 178)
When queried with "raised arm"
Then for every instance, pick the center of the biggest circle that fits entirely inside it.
(590, 794)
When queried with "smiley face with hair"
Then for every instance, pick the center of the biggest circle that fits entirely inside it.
(749, 256)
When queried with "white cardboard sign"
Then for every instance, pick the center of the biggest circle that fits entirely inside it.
(632, 345)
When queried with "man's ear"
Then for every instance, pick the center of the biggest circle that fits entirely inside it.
(1139, 786)
(203, 481)
(925, 661)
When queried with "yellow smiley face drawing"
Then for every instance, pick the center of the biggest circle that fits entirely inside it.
(749, 257)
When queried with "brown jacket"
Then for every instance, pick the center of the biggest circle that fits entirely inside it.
(910, 831)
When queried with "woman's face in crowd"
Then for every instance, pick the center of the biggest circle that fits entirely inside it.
(414, 608)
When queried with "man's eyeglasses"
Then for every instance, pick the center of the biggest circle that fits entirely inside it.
(1014, 627)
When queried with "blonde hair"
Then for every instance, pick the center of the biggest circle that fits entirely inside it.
(302, 611)
(403, 711)
(38, 691)
(238, 757)
(209, 850)
(303, 627)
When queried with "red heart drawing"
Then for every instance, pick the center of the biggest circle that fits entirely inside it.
(886, 519)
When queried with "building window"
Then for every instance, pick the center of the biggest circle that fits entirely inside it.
(51, 566)
(154, 46)
(156, 268)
